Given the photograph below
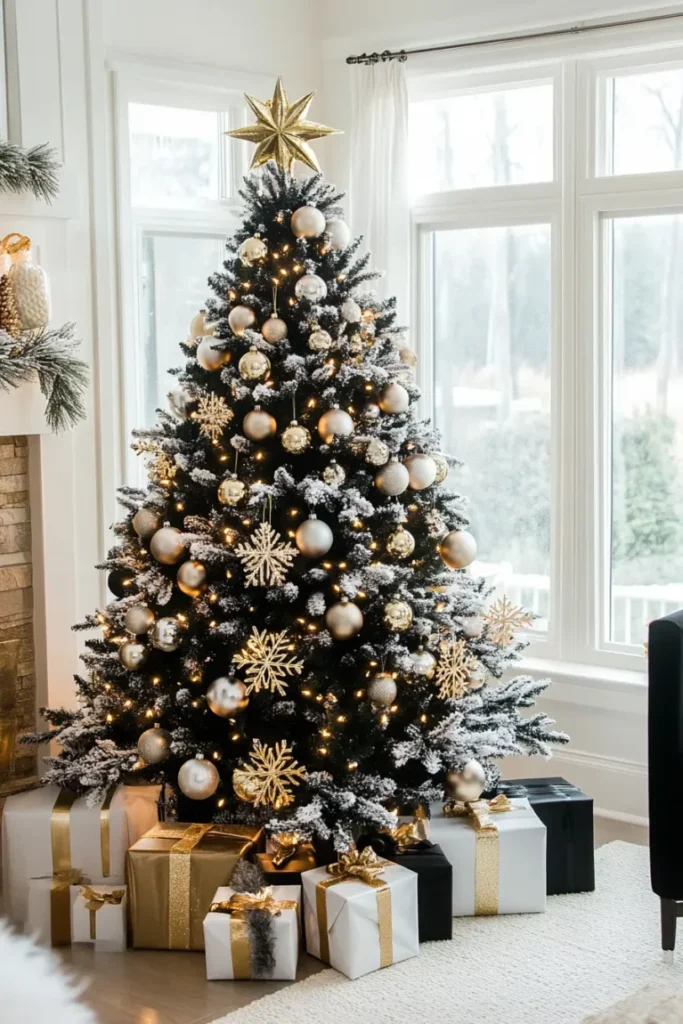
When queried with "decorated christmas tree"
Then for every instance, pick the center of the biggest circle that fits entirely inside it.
(295, 635)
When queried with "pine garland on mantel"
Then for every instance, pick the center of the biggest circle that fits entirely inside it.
(29, 170)
(50, 356)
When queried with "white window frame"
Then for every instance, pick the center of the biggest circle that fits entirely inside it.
(575, 205)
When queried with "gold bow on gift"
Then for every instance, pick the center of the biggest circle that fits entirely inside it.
(96, 900)
(480, 811)
(407, 834)
(240, 902)
(286, 844)
(364, 865)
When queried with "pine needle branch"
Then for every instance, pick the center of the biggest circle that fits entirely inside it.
(63, 378)
(33, 170)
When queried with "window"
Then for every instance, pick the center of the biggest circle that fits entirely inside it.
(548, 226)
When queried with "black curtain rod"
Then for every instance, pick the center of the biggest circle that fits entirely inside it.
(402, 55)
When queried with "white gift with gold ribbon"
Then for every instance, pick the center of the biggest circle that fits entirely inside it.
(226, 935)
(99, 916)
(360, 920)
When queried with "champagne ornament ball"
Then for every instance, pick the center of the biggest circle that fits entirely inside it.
(226, 697)
(442, 467)
(167, 545)
(421, 471)
(295, 438)
(351, 311)
(468, 784)
(165, 634)
(334, 423)
(139, 619)
(407, 356)
(423, 662)
(252, 249)
(274, 330)
(307, 222)
(377, 452)
(334, 474)
(146, 522)
(231, 491)
(310, 287)
(382, 689)
(320, 341)
(258, 424)
(458, 549)
(132, 655)
(314, 538)
(392, 479)
(209, 357)
(400, 543)
(394, 399)
(154, 745)
(344, 619)
(398, 615)
(254, 365)
(198, 778)
(240, 318)
(339, 232)
(192, 578)
(199, 328)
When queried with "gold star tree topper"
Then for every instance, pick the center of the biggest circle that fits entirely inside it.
(281, 132)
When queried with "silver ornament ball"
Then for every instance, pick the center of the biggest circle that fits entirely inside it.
(154, 745)
(344, 619)
(254, 365)
(394, 399)
(209, 357)
(377, 452)
(274, 330)
(314, 538)
(458, 549)
(351, 311)
(310, 287)
(421, 471)
(226, 697)
(334, 474)
(398, 615)
(468, 784)
(392, 479)
(192, 578)
(132, 655)
(334, 423)
(258, 424)
(472, 625)
(179, 402)
(382, 689)
(307, 222)
(146, 522)
(167, 545)
(139, 619)
(371, 412)
(320, 341)
(165, 634)
(198, 778)
(339, 232)
(423, 663)
(240, 318)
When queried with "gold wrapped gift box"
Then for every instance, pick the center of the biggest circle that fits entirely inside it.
(173, 874)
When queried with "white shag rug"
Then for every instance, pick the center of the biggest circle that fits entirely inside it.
(588, 951)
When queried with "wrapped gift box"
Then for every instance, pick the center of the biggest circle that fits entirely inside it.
(173, 874)
(98, 915)
(230, 946)
(49, 905)
(567, 814)
(495, 871)
(290, 872)
(48, 830)
(357, 926)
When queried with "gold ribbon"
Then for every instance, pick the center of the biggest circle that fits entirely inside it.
(358, 867)
(408, 834)
(96, 900)
(237, 907)
(60, 904)
(22, 243)
(60, 834)
(286, 844)
(105, 832)
(487, 855)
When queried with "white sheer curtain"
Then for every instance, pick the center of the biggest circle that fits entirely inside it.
(379, 164)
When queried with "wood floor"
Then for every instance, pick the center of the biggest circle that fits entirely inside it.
(157, 987)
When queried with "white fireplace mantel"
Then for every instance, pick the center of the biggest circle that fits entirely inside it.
(22, 411)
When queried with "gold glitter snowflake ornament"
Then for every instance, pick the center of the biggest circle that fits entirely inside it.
(453, 669)
(268, 776)
(268, 661)
(213, 415)
(266, 558)
(504, 619)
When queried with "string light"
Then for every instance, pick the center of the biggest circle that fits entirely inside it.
(179, 506)
(306, 693)
(109, 718)
(341, 719)
(235, 737)
(149, 713)
(423, 719)
(352, 765)
(220, 802)
(325, 733)
(322, 750)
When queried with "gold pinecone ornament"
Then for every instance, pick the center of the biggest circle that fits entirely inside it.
(9, 316)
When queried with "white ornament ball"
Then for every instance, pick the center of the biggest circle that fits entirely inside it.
(472, 625)
(252, 249)
(167, 545)
(339, 232)
(307, 222)
(274, 330)
(165, 634)
(351, 311)
(382, 689)
(199, 327)
(423, 662)
(421, 471)
(458, 549)
(310, 287)
(320, 341)
(139, 619)
(467, 785)
(209, 357)
(394, 399)
(133, 655)
(226, 697)
(344, 619)
(258, 424)
(198, 778)
(314, 538)
(334, 423)
(146, 522)
(240, 318)
(192, 578)
(154, 745)
(392, 479)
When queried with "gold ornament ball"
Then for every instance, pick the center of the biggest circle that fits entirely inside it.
(334, 423)
(258, 424)
(231, 491)
(252, 249)
(244, 784)
(167, 545)
(198, 778)
(274, 330)
(377, 452)
(133, 655)
(192, 578)
(199, 327)
(154, 745)
(351, 311)
(307, 222)
(165, 634)
(467, 785)
(240, 318)
(209, 357)
(314, 538)
(344, 619)
(458, 549)
(421, 471)
(442, 467)
(310, 287)
(423, 662)
(339, 232)
(226, 697)
(382, 689)
(320, 341)
(146, 522)
(392, 479)
(400, 543)
(334, 474)
(139, 619)
(254, 365)
(394, 399)
(295, 438)
(398, 615)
